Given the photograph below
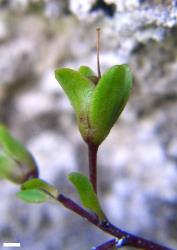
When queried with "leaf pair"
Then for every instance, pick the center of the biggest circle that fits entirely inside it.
(97, 107)
(16, 163)
(37, 191)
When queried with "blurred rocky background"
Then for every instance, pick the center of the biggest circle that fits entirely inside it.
(137, 162)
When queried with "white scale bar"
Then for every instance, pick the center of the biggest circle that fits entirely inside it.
(11, 244)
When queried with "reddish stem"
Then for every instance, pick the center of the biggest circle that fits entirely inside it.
(126, 238)
(92, 154)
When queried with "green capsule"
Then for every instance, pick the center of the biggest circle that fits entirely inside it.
(16, 163)
(97, 104)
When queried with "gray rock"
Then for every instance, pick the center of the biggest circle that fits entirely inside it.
(4, 31)
(55, 8)
(16, 62)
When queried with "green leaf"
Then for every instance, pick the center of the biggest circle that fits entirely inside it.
(86, 71)
(108, 100)
(79, 90)
(76, 86)
(87, 195)
(33, 196)
(37, 191)
(40, 185)
(15, 149)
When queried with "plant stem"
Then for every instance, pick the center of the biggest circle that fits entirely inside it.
(92, 155)
(71, 205)
(127, 239)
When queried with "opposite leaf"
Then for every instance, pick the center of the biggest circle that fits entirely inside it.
(33, 196)
(88, 73)
(86, 193)
(79, 90)
(37, 191)
(40, 185)
(108, 100)
(76, 86)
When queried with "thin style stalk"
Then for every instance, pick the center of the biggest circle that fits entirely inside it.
(92, 155)
(98, 51)
(126, 238)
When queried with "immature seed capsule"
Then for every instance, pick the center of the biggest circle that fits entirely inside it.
(97, 107)
(16, 163)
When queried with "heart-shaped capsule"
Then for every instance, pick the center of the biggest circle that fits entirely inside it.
(97, 102)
